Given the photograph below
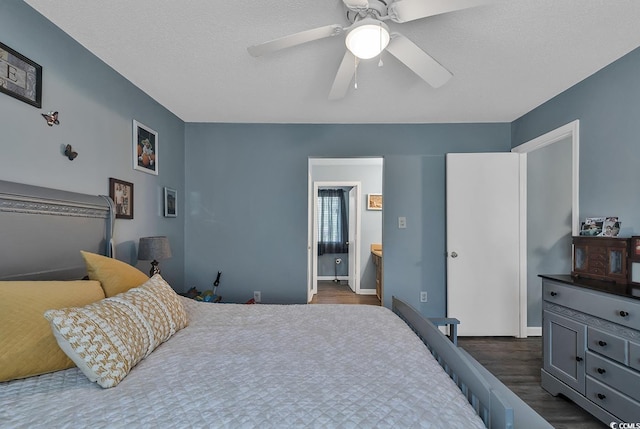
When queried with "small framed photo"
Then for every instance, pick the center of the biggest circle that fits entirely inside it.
(21, 78)
(145, 148)
(170, 202)
(374, 202)
(121, 193)
(634, 262)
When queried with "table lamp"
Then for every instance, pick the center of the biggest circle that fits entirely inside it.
(153, 248)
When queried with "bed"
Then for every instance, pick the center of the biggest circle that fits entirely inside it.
(231, 365)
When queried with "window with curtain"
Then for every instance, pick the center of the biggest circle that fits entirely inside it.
(333, 226)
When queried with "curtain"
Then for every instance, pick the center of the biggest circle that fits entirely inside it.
(333, 226)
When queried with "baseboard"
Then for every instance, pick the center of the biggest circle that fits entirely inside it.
(534, 331)
(329, 278)
(367, 292)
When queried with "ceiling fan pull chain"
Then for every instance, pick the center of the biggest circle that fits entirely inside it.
(380, 64)
(355, 72)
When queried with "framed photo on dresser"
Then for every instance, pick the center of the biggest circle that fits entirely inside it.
(634, 260)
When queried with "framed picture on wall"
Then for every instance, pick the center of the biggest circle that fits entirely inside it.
(121, 193)
(145, 148)
(21, 78)
(170, 202)
(374, 202)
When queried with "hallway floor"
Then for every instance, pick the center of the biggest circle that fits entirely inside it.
(330, 292)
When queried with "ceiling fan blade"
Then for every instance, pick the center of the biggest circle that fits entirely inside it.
(418, 61)
(344, 76)
(295, 39)
(409, 10)
(356, 5)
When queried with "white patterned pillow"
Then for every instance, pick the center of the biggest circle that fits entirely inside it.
(108, 338)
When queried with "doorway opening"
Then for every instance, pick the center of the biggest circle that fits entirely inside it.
(342, 258)
(567, 136)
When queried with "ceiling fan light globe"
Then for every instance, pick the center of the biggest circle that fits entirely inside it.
(368, 39)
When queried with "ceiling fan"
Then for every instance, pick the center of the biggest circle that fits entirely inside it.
(368, 36)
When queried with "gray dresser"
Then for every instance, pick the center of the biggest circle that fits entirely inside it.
(591, 345)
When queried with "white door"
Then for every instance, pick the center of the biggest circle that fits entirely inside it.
(483, 289)
(353, 206)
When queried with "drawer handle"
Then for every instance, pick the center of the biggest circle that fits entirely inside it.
(601, 396)
(602, 343)
(579, 359)
(601, 370)
(623, 313)
(553, 293)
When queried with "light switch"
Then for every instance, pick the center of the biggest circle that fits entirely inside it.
(402, 222)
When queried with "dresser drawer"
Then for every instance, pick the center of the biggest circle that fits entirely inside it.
(615, 309)
(608, 345)
(619, 377)
(618, 404)
(634, 355)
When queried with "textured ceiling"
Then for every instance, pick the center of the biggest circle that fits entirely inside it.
(506, 57)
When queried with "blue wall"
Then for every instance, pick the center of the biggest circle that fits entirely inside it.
(96, 107)
(247, 203)
(608, 107)
(242, 188)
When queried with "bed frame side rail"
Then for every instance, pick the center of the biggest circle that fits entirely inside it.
(489, 403)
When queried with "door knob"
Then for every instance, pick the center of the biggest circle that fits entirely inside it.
(454, 255)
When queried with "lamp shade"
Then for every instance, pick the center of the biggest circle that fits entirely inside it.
(152, 248)
(367, 38)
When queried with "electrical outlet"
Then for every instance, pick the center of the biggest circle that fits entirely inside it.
(257, 297)
(423, 296)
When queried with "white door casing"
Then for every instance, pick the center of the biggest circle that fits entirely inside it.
(571, 131)
(353, 237)
(483, 243)
(312, 284)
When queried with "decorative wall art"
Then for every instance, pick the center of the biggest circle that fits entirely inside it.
(374, 202)
(170, 202)
(145, 148)
(121, 193)
(51, 118)
(20, 77)
(70, 153)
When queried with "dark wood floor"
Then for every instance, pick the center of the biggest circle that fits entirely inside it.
(330, 292)
(516, 362)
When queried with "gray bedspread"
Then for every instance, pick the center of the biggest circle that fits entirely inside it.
(281, 366)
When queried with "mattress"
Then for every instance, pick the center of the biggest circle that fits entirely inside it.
(234, 366)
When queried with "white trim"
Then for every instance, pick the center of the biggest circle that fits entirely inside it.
(310, 261)
(367, 292)
(570, 130)
(534, 331)
(524, 309)
(347, 161)
(329, 278)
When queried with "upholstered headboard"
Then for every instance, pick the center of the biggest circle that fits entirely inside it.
(42, 231)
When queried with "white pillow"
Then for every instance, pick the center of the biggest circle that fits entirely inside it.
(108, 338)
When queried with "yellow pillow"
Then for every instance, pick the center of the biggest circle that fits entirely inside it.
(114, 276)
(27, 345)
(108, 338)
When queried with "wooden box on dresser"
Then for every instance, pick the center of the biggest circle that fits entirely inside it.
(591, 345)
